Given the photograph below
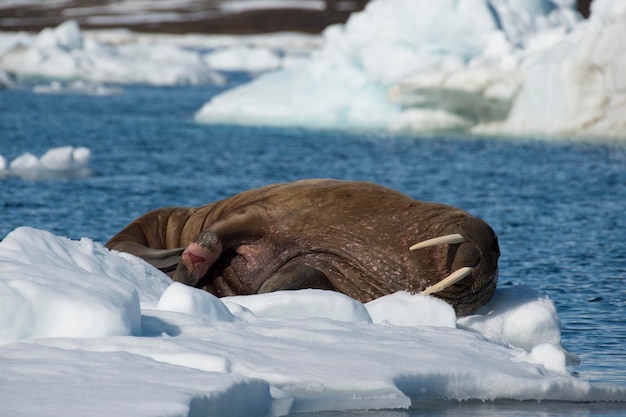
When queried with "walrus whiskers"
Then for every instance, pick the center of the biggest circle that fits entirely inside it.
(441, 240)
(451, 279)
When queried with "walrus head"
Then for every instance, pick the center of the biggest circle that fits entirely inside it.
(473, 259)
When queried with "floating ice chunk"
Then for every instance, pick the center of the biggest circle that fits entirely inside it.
(24, 165)
(334, 96)
(185, 299)
(81, 156)
(63, 158)
(404, 309)
(57, 163)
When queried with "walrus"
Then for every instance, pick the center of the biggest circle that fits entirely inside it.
(357, 238)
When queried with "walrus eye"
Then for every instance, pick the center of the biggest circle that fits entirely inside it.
(441, 240)
(454, 277)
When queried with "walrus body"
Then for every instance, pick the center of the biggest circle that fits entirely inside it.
(353, 237)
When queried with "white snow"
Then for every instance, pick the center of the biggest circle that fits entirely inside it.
(85, 331)
(56, 163)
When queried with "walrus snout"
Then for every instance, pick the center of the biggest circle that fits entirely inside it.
(474, 253)
(484, 247)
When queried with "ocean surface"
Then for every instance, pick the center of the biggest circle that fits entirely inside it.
(557, 205)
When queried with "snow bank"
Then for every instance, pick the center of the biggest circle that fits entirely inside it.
(152, 347)
(475, 65)
(57, 163)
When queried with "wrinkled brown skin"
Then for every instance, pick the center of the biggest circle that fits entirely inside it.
(352, 237)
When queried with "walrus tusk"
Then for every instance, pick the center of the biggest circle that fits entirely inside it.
(451, 279)
(441, 240)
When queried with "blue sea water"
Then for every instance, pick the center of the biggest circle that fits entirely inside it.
(558, 206)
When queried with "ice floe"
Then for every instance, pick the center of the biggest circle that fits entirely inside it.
(87, 331)
(56, 163)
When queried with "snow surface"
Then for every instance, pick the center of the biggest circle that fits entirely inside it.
(86, 331)
(57, 163)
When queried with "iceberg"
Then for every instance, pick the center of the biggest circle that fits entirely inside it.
(64, 162)
(580, 80)
(478, 66)
(87, 331)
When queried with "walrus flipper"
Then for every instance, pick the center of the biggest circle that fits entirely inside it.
(207, 247)
(165, 260)
(296, 277)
